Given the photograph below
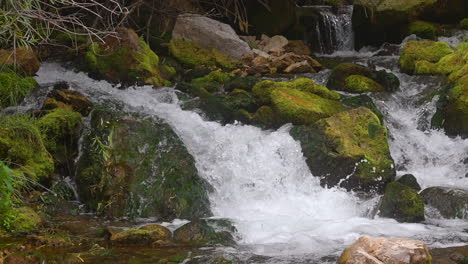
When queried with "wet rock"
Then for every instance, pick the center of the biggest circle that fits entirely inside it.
(23, 59)
(128, 158)
(402, 203)
(125, 59)
(365, 101)
(159, 232)
(386, 250)
(361, 84)
(423, 29)
(299, 67)
(132, 237)
(410, 181)
(428, 51)
(207, 232)
(210, 33)
(349, 149)
(450, 202)
(339, 75)
(64, 98)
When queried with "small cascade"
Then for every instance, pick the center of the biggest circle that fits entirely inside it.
(328, 29)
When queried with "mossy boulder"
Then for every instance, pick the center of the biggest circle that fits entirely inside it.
(125, 59)
(24, 220)
(132, 237)
(464, 23)
(265, 117)
(22, 147)
(361, 84)
(402, 203)
(213, 82)
(450, 202)
(14, 87)
(61, 97)
(159, 232)
(136, 166)
(365, 101)
(206, 232)
(348, 77)
(193, 55)
(410, 181)
(448, 64)
(349, 149)
(456, 112)
(429, 51)
(423, 29)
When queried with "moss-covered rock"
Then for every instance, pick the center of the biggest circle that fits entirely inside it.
(127, 59)
(265, 117)
(24, 220)
(61, 97)
(402, 203)
(21, 146)
(450, 202)
(338, 79)
(448, 64)
(14, 87)
(132, 237)
(429, 51)
(138, 167)
(464, 23)
(361, 84)
(193, 55)
(213, 82)
(456, 111)
(365, 101)
(208, 232)
(410, 181)
(349, 149)
(159, 232)
(423, 29)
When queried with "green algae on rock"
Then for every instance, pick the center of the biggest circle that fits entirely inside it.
(14, 87)
(415, 51)
(410, 181)
(361, 84)
(193, 55)
(126, 59)
(448, 64)
(138, 167)
(213, 82)
(402, 203)
(464, 23)
(423, 29)
(365, 101)
(206, 232)
(456, 112)
(349, 149)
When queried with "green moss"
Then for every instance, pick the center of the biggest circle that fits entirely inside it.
(132, 236)
(456, 116)
(361, 84)
(429, 51)
(402, 203)
(25, 221)
(365, 101)
(206, 233)
(422, 67)
(265, 117)
(464, 23)
(423, 29)
(58, 126)
(213, 82)
(14, 87)
(299, 107)
(193, 55)
(448, 64)
(21, 145)
(241, 100)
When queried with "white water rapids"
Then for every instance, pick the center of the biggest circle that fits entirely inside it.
(262, 183)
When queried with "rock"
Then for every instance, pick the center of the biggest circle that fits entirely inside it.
(464, 23)
(429, 51)
(366, 101)
(251, 40)
(349, 149)
(298, 47)
(61, 98)
(410, 181)
(23, 59)
(456, 111)
(51, 240)
(127, 159)
(159, 232)
(261, 53)
(191, 54)
(299, 67)
(450, 63)
(260, 61)
(14, 87)
(450, 202)
(207, 232)
(368, 250)
(275, 43)
(402, 203)
(423, 29)
(210, 33)
(337, 79)
(132, 237)
(361, 84)
(125, 59)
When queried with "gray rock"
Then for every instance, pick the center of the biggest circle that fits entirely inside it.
(450, 202)
(210, 33)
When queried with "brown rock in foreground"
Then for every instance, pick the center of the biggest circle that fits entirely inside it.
(368, 250)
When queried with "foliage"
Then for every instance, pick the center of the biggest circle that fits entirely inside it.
(14, 87)
(6, 195)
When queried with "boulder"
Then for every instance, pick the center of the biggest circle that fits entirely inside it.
(381, 80)
(428, 51)
(423, 29)
(298, 47)
(62, 97)
(206, 232)
(369, 250)
(349, 149)
(125, 58)
(365, 101)
(24, 60)
(275, 43)
(450, 202)
(299, 67)
(210, 33)
(410, 181)
(402, 203)
(127, 159)
(456, 111)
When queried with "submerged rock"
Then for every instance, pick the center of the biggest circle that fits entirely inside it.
(209, 232)
(209, 33)
(138, 167)
(450, 202)
(349, 149)
(386, 250)
(402, 203)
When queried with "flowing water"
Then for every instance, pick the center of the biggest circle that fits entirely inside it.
(262, 183)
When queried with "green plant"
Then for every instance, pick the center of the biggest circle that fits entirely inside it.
(7, 194)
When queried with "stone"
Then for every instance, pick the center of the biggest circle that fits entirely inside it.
(23, 59)
(275, 43)
(402, 203)
(76, 100)
(206, 232)
(299, 67)
(159, 232)
(210, 33)
(429, 51)
(410, 181)
(368, 250)
(450, 202)
(298, 47)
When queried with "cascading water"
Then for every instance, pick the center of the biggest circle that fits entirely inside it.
(262, 183)
(329, 29)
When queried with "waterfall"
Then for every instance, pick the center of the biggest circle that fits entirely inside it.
(261, 181)
(328, 29)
